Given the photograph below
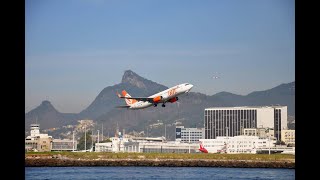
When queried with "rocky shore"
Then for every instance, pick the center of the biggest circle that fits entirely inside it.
(60, 161)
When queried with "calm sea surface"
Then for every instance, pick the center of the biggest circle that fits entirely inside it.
(156, 173)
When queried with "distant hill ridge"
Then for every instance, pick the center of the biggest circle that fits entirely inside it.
(189, 109)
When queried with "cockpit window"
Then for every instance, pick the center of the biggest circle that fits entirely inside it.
(186, 84)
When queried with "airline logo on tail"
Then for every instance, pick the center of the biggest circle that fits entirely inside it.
(128, 101)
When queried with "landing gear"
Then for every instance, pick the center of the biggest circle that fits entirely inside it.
(177, 98)
(163, 105)
(155, 105)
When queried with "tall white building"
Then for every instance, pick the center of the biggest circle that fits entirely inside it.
(186, 135)
(230, 121)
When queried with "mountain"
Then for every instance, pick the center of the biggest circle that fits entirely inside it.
(188, 110)
(47, 116)
(283, 94)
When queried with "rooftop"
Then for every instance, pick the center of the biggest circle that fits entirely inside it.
(245, 107)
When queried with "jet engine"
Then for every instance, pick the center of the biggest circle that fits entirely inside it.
(173, 99)
(157, 99)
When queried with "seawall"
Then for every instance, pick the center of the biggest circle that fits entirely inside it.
(64, 162)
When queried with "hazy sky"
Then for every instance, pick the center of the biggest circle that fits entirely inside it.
(75, 48)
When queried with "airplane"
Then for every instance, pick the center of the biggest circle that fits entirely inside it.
(168, 95)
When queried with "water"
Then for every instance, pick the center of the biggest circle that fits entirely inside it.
(34, 173)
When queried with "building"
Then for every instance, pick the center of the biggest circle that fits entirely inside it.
(237, 144)
(230, 121)
(120, 144)
(250, 132)
(189, 135)
(161, 147)
(288, 136)
(63, 145)
(146, 145)
(103, 147)
(148, 139)
(37, 141)
(42, 142)
(260, 132)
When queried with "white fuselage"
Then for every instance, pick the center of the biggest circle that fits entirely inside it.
(166, 95)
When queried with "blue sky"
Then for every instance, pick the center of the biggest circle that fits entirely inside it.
(75, 48)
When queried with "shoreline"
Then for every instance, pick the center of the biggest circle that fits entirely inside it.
(67, 162)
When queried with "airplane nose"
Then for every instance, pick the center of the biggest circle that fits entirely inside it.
(190, 87)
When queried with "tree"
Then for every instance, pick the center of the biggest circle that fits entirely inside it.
(107, 140)
(280, 142)
(81, 145)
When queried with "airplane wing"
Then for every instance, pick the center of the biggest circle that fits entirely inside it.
(140, 99)
(145, 99)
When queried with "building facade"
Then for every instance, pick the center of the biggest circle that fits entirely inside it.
(37, 141)
(250, 132)
(146, 145)
(260, 132)
(236, 144)
(189, 135)
(288, 136)
(64, 145)
(44, 143)
(161, 147)
(230, 121)
(103, 147)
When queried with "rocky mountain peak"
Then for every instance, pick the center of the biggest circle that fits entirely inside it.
(133, 78)
(47, 105)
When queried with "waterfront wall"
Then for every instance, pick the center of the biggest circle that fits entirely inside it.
(56, 162)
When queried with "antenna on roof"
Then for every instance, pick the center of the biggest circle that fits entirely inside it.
(102, 132)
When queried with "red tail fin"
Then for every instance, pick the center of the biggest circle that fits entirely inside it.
(202, 149)
(128, 101)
